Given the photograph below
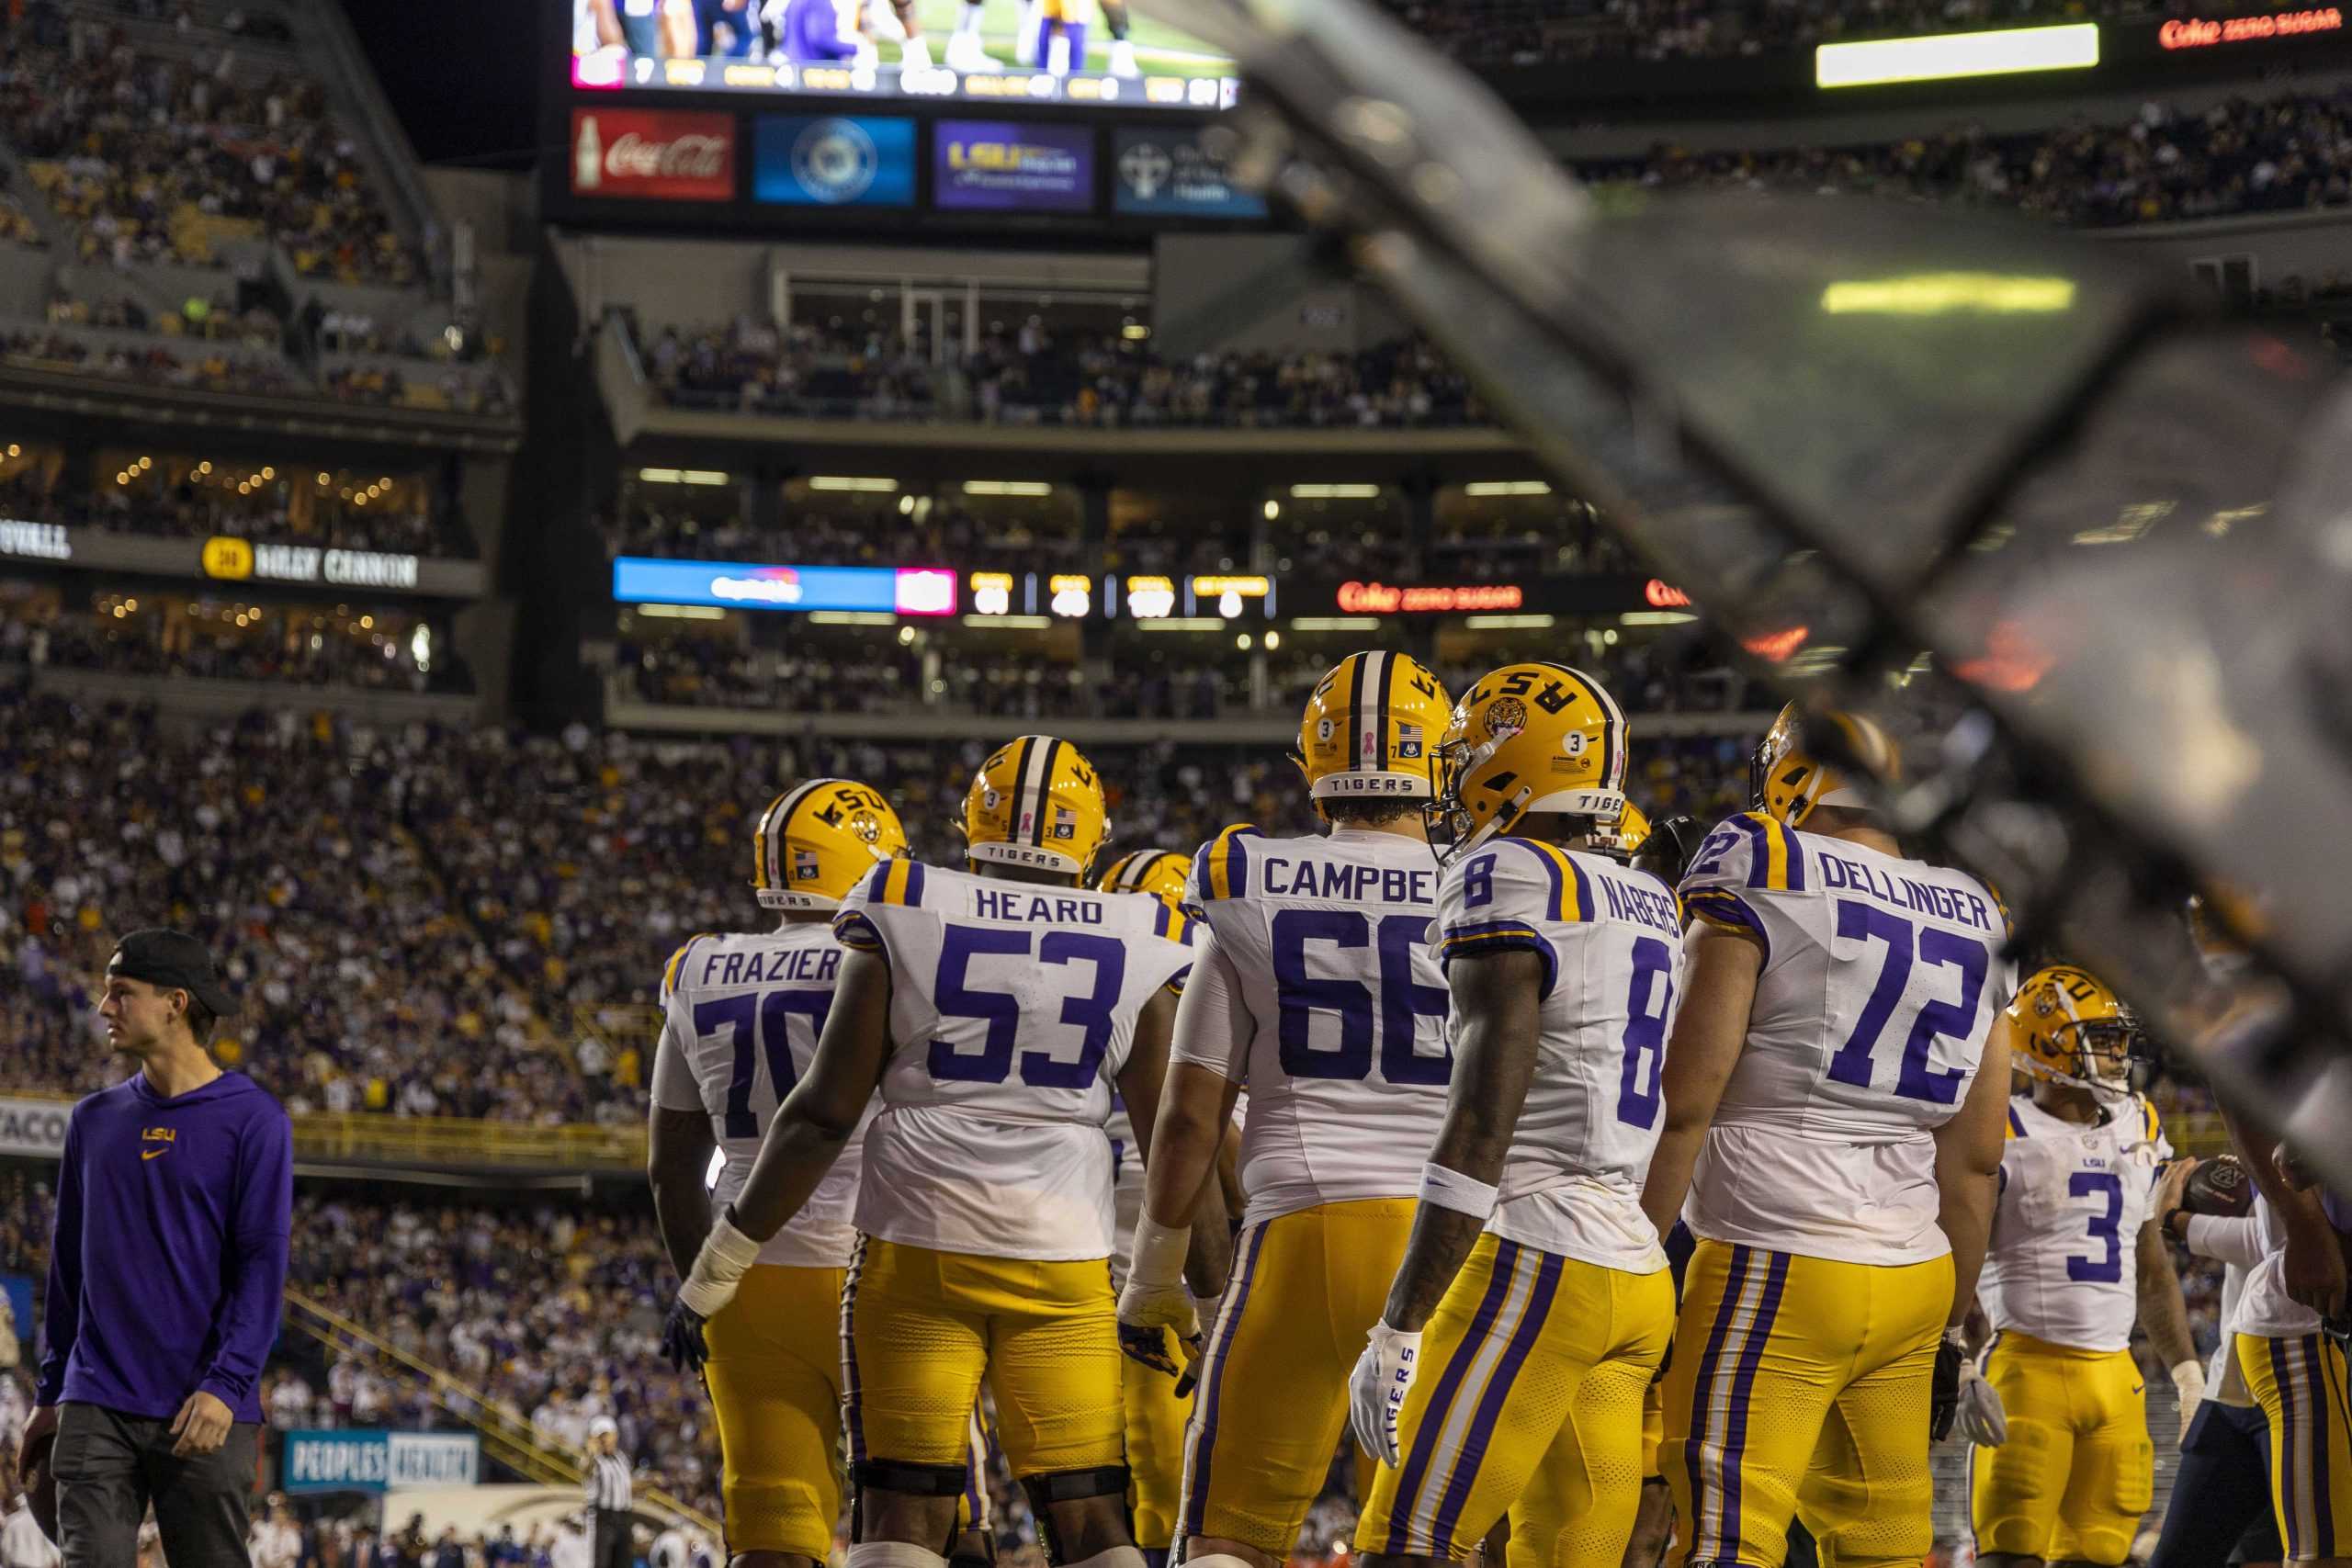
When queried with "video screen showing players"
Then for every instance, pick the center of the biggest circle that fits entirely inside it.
(989, 51)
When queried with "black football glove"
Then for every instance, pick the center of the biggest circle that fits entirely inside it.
(1148, 1344)
(1673, 842)
(682, 1339)
(1943, 1398)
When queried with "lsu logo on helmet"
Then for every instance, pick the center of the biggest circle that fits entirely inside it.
(1036, 801)
(2072, 1029)
(812, 843)
(1792, 772)
(1369, 728)
(1529, 738)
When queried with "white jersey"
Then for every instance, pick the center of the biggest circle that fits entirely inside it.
(2063, 1262)
(1610, 943)
(1012, 1007)
(740, 1021)
(1126, 1190)
(2265, 1309)
(1881, 980)
(1333, 1014)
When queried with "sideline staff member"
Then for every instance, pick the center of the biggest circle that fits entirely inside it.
(174, 1198)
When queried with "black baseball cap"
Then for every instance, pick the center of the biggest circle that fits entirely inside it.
(175, 959)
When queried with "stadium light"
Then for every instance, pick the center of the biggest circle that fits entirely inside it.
(1334, 492)
(854, 482)
(682, 612)
(1506, 623)
(1009, 623)
(1006, 487)
(1336, 624)
(1507, 487)
(1655, 617)
(1182, 624)
(1945, 56)
(853, 618)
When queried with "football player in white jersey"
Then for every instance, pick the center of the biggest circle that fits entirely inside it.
(1314, 987)
(2075, 1257)
(995, 1009)
(1539, 1284)
(1837, 1086)
(741, 1017)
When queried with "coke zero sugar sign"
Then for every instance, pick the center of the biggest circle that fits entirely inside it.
(634, 155)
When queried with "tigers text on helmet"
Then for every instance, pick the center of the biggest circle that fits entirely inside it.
(814, 841)
(1798, 768)
(1369, 729)
(1161, 873)
(2072, 1029)
(1036, 801)
(1534, 738)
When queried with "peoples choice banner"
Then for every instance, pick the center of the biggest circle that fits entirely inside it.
(661, 154)
(374, 1460)
(989, 165)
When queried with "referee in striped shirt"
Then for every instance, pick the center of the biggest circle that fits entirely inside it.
(609, 1497)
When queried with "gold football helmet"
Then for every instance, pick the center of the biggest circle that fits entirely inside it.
(1036, 801)
(813, 842)
(1161, 873)
(1369, 728)
(1789, 777)
(2072, 1029)
(1528, 737)
(1624, 840)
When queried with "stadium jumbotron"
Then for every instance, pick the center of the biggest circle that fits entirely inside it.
(812, 802)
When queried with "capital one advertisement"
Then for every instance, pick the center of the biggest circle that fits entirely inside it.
(652, 154)
(994, 165)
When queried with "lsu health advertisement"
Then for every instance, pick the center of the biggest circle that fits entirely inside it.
(994, 165)
(834, 160)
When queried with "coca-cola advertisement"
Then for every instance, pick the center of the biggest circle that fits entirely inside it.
(659, 153)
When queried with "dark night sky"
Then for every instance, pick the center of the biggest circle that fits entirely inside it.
(463, 74)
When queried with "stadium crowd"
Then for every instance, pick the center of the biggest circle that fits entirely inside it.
(1030, 375)
(181, 499)
(165, 153)
(2288, 153)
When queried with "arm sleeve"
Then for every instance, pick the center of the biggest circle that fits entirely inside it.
(264, 1216)
(674, 1087)
(1505, 898)
(2237, 1242)
(61, 1308)
(1213, 1025)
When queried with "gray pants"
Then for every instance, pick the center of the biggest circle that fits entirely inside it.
(109, 1466)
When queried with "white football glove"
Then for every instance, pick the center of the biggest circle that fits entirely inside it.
(1376, 1389)
(726, 1257)
(2188, 1381)
(1980, 1418)
(1154, 1296)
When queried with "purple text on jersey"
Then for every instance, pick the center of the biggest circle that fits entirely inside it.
(991, 905)
(1346, 880)
(1904, 893)
(754, 967)
(1646, 906)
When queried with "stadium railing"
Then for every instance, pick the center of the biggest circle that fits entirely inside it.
(448, 1142)
(512, 1442)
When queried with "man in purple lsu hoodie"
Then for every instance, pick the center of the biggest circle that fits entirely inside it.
(174, 1199)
